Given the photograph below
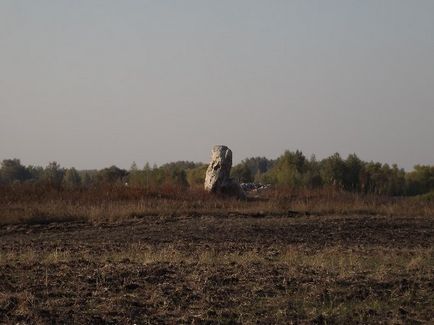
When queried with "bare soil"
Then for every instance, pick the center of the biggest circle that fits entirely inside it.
(219, 269)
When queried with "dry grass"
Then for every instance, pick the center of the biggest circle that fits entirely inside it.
(34, 205)
(336, 260)
(334, 284)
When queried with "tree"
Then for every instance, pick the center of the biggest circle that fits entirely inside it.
(12, 171)
(383, 179)
(420, 180)
(312, 176)
(196, 176)
(134, 167)
(71, 179)
(333, 170)
(53, 174)
(288, 169)
(242, 173)
(135, 176)
(111, 174)
(147, 174)
(354, 167)
(36, 173)
(185, 165)
(179, 177)
(85, 179)
(258, 165)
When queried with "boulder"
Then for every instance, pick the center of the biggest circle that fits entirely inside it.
(217, 179)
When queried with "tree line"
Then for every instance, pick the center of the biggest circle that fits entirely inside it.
(180, 173)
(292, 169)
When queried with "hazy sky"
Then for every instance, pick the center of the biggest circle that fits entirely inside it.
(95, 83)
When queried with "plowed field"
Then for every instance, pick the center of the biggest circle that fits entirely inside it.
(219, 269)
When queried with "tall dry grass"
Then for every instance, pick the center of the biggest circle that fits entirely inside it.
(35, 204)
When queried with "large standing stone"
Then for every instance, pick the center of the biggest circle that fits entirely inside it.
(217, 179)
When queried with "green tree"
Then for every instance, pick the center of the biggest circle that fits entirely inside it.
(258, 165)
(242, 173)
(312, 176)
(71, 179)
(85, 179)
(196, 176)
(53, 174)
(353, 170)
(178, 177)
(333, 170)
(135, 176)
(383, 179)
(420, 180)
(288, 170)
(36, 173)
(111, 174)
(147, 175)
(12, 171)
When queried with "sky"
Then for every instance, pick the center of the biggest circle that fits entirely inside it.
(95, 83)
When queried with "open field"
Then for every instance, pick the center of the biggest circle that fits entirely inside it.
(219, 268)
(216, 162)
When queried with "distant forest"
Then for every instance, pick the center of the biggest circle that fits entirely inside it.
(291, 169)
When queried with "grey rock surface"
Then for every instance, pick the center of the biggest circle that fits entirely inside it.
(217, 179)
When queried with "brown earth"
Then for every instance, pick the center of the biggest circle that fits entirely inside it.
(219, 269)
